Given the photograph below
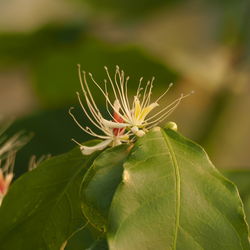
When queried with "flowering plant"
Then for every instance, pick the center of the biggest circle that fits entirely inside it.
(8, 149)
(128, 119)
(141, 187)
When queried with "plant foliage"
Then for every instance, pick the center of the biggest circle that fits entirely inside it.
(163, 192)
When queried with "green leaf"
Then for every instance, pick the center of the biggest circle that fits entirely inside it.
(87, 238)
(172, 197)
(242, 180)
(42, 209)
(100, 183)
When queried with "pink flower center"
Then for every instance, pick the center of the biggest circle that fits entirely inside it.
(2, 186)
(118, 131)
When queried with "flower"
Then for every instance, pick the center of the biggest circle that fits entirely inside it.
(8, 149)
(6, 174)
(127, 118)
(112, 135)
(135, 115)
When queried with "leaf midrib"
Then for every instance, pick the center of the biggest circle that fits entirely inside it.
(177, 187)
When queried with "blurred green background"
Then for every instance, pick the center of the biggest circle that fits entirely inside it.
(199, 45)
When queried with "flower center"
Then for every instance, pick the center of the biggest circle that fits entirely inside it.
(117, 118)
(2, 187)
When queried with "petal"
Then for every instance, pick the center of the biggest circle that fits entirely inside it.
(137, 105)
(100, 146)
(147, 110)
(110, 124)
(124, 138)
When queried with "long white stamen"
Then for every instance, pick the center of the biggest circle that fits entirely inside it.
(84, 82)
(86, 113)
(113, 87)
(90, 102)
(119, 89)
(169, 111)
(106, 96)
(144, 94)
(166, 108)
(166, 91)
(124, 100)
(106, 101)
(82, 128)
(145, 101)
(126, 92)
(106, 131)
(139, 87)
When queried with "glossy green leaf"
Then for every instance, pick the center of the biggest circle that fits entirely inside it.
(242, 180)
(100, 183)
(42, 209)
(86, 239)
(172, 197)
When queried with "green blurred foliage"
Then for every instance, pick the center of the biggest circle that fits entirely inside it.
(53, 53)
(50, 53)
(52, 129)
(130, 8)
(57, 77)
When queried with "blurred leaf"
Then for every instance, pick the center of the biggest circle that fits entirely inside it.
(52, 53)
(27, 47)
(242, 180)
(42, 208)
(56, 77)
(172, 197)
(100, 183)
(130, 8)
(53, 130)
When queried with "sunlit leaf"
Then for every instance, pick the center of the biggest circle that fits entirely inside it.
(172, 197)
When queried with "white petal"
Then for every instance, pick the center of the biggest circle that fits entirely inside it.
(100, 146)
(110, 124)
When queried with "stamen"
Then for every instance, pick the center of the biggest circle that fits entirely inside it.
(169, 87)
(106, 96)
(168, 112)
(82, 128)
(86, 113)
(139, 87)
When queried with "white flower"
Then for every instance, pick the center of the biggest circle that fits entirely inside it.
(135, 115)
(126, 118)
(112, 135)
